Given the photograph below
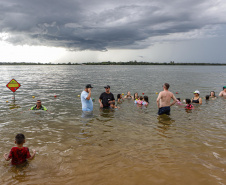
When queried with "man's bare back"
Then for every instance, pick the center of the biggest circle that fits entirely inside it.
(165, 97)
(163, 100)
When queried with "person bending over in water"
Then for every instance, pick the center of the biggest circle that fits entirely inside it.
(39, 106)
(207, 97)
(19, 154)
(189, 105)
(196, 99)
(163, 100)
(223, 93)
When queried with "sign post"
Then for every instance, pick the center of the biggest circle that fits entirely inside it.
(13, 85)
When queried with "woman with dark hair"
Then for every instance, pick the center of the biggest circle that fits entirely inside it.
(196, 99)
(212, 95)
(119, 98)
(145, 102)
(135, 97)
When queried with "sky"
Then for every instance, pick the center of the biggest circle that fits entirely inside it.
(81, 31)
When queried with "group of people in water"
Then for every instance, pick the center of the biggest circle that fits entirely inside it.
(107, 100)
(19, 154)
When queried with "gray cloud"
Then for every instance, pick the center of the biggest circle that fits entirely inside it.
(97, 25)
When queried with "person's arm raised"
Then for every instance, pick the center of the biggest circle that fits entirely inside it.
(89, 95)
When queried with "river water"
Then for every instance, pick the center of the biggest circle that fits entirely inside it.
(131, 145)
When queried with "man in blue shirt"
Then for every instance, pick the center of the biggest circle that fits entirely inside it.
(87, 103)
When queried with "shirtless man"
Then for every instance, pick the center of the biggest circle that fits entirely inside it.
(223, 93)
(163, 100)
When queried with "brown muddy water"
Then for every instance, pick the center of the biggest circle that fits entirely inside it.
(131, 145)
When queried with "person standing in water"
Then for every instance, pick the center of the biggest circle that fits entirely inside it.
(163, 100)
(87, 103)
(106, 98)
(19, 154)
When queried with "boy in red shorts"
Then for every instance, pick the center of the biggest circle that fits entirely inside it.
(19, 154)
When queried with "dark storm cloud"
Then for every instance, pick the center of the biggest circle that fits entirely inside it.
(96, 25)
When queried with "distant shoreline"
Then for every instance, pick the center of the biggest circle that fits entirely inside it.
(114, 63)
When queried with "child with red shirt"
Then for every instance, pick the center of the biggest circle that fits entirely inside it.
(19, 154)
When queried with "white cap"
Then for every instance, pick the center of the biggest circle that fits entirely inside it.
(197, 92)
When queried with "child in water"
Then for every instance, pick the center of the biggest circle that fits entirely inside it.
(119, 98)
(139, 100)
(145, 102)
(189, 105)
(178, 101)
(19, 154)
(113, 106)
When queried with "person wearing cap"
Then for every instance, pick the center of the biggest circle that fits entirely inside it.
(106, 98)
(87, 103)
(163, 100)
(196, 99)
(223, 93)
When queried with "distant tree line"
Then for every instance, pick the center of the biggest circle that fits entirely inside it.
(148, 63)
(111, 63)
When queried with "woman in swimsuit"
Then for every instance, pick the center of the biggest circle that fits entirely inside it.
(128, 96)
(196, 99)
(212, 95)
(135, 96)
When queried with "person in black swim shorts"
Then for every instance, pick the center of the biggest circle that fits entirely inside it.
(163, 100)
